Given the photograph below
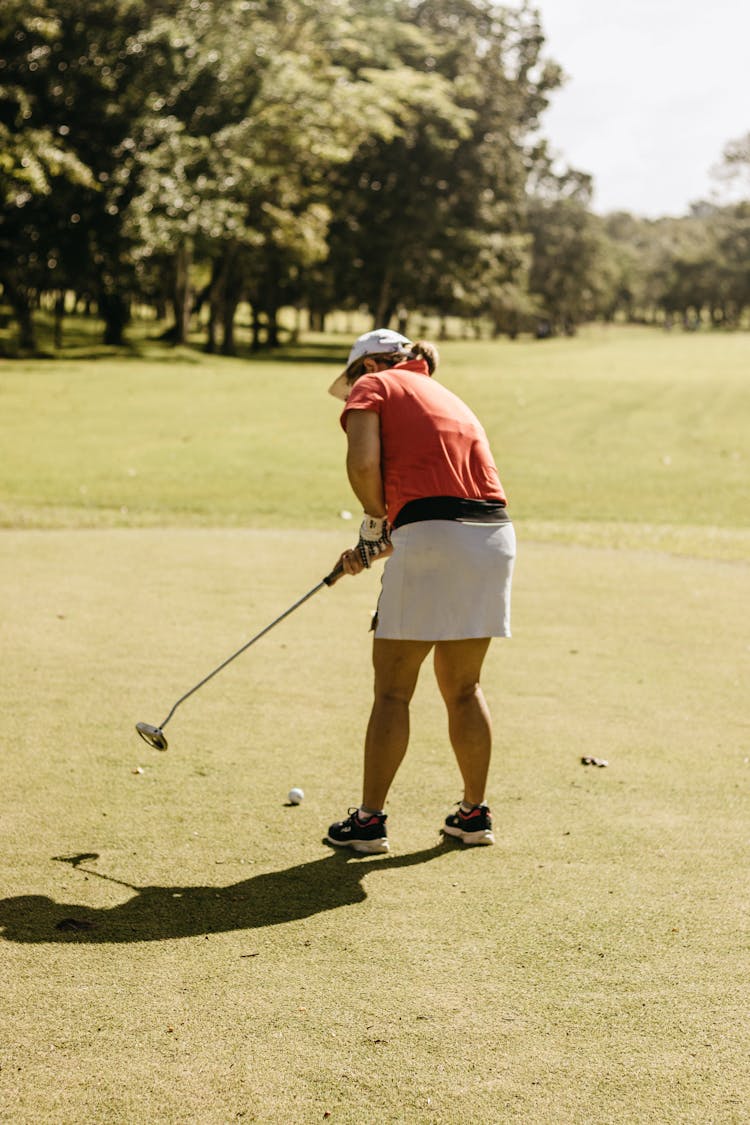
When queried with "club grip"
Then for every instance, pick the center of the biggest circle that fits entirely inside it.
(335, 574)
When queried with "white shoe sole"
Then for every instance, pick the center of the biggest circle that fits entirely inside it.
(484, 837)
(366, 847)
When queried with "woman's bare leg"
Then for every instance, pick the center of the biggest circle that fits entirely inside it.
(458, 665)
(396, 665)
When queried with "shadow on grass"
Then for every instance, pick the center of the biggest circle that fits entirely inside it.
(162, 913)
(154, 352)
(146, 341)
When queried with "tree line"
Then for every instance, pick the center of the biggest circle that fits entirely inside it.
(322, 154)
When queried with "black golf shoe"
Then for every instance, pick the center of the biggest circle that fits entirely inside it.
(367, 836)
(473, 827)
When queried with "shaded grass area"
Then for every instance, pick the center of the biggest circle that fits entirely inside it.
(619, 437)
(592, 967)
(146, 336)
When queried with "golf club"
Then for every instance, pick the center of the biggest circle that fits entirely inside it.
(154, 736)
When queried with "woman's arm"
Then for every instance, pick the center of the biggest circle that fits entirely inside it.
(363, 460)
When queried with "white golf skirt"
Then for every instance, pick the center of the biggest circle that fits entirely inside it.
(447, 581)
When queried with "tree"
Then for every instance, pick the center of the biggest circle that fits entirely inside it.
(236, 171)
(572, 273)
(734, 169)
(82, 77)
(202, 75)
(36, 161)
(414, 212)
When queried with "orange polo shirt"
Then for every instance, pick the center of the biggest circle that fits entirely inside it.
(431, 443)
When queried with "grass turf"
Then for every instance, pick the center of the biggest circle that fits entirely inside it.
(592, 966)
(620, 438)
(215, 961)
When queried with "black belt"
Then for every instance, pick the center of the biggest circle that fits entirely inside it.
(457, 508)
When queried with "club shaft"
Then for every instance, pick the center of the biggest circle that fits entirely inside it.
(262, 633)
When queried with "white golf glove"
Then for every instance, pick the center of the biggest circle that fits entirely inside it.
(374, 538)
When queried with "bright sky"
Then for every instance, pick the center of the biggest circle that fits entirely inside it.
(655, 90)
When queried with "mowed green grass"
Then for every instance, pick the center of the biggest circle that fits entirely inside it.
(615, 438)
(593, 967)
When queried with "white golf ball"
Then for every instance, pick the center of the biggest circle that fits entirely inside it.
(296, 796)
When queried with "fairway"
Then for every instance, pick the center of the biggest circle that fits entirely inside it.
(211, 961)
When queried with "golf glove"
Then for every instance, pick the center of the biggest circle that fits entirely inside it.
(374, 538)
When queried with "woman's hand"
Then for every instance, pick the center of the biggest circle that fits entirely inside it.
(350, 561)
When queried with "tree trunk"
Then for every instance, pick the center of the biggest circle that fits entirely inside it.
(297, 329)
(21, 305)
(384, 307)
(232, 294)
(255, 345)
(59, 315)
(113, 308)
(210, 345)
(229, 309)
(181, 298)
(224, 297)
(272, 337)
(214, 291)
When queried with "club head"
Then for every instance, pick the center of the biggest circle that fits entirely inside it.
(154, 736)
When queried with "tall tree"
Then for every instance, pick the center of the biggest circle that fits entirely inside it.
(84, 82)
(38, 163)
(235, 170)
(571, 272)
(734, 168)
(414, 213)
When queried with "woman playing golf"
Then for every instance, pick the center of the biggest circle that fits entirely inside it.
(419, 462)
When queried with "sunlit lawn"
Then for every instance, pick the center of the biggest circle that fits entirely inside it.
(212, 961)
(638, 434)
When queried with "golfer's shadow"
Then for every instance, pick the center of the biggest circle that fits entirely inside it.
(159, 913)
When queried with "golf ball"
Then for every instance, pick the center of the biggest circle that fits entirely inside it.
(296, 796)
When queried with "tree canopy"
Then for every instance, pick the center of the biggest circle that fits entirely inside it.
(383, 155)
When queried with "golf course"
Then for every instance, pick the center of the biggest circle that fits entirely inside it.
(177, 943)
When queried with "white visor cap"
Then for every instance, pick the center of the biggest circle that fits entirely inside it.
(382, 341)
